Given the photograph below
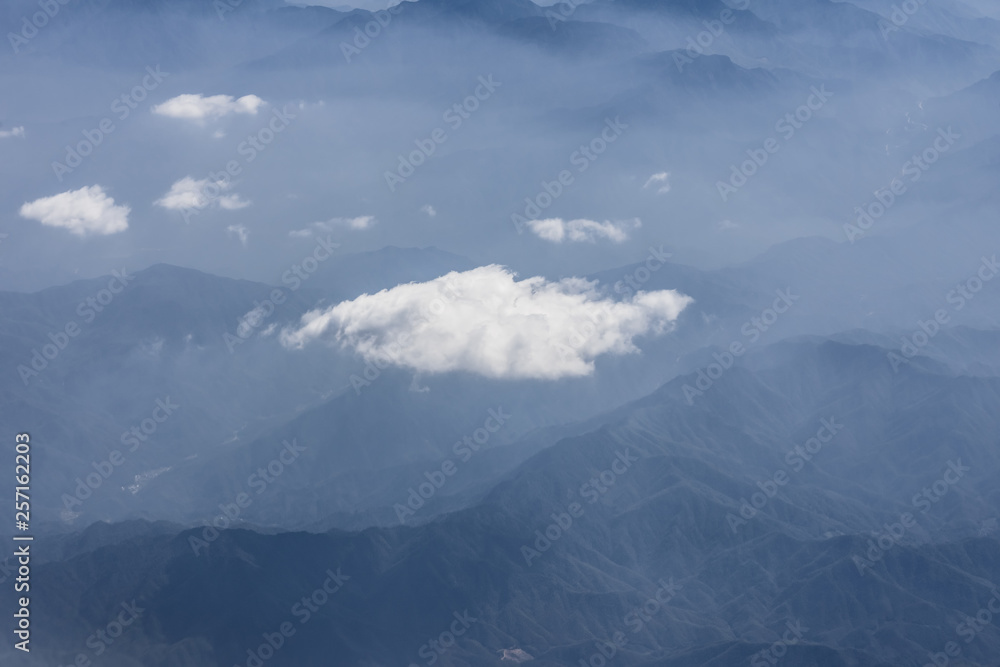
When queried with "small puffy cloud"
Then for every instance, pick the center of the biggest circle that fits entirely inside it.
(88, 210)
(429, 210)
(198, 107)
(558, 230)
(726, 225)
(359, 223)
(12, 132)
(240, 232)
(189, 194)
(662, 179)
(185, 193)
(484, 321)
(232, 202)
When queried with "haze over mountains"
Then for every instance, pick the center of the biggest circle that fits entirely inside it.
(693, 120)
(479, 332)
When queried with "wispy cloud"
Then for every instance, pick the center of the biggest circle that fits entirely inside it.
(240, 232)
(359, 223)
(558, 230)
(197, 107)
(662, 179)
(12, 132)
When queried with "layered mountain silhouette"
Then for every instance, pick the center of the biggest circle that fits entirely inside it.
(764, 505)
(802, 469)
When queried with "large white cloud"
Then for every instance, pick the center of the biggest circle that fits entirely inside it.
(484, 321)
(197, 107)
(190, 194)
(558, 230)
(88, 210)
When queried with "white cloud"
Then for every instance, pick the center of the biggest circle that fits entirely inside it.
(197, 107)
(429, 210)
(85, 211)
(188, 193)
(232, 202)
(484, 321)
(558, 230)
(663, 178)
(185, 193)
(240, 232)
(727, 224)
(12, 132)
(359, 223)
(251, 320)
